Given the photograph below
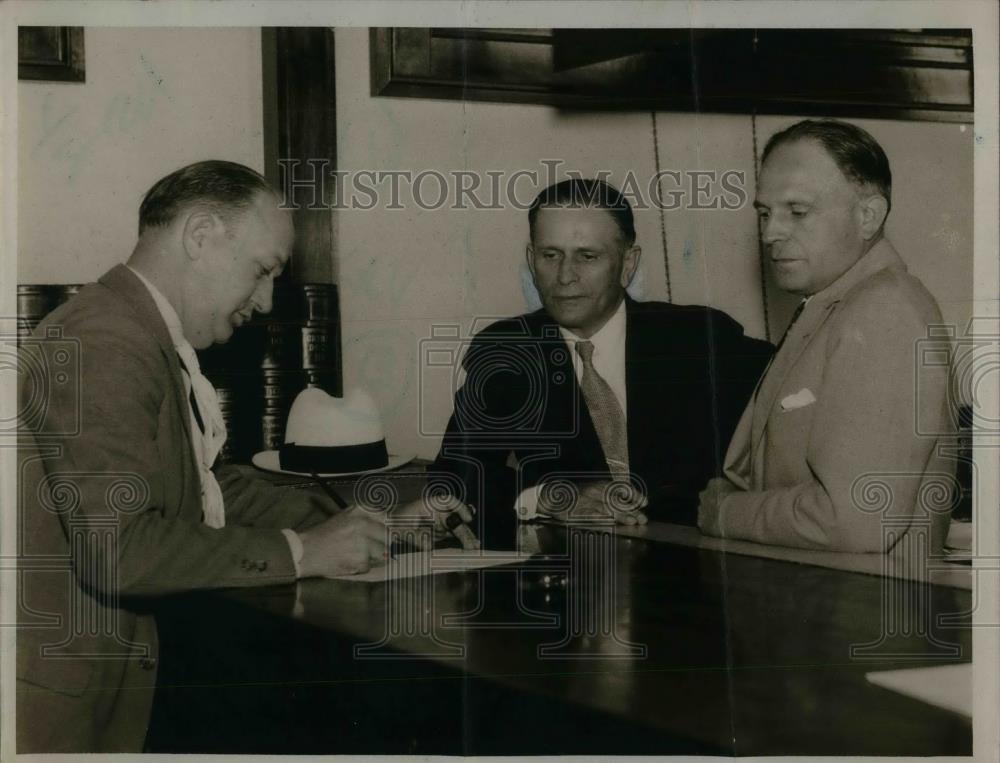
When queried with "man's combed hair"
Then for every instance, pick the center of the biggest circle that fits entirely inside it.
(228, 186)
(587, 192)
(856, 152)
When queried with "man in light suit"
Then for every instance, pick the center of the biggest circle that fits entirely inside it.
(118, 500)
(562, 408)
(846, 405)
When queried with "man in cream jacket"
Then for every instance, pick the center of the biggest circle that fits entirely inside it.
(838, 448)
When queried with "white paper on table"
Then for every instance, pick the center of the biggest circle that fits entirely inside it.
(436, 562)
(947, 686)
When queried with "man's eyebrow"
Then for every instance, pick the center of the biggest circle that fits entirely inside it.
(788, 202)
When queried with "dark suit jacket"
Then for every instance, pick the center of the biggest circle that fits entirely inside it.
(110, 512)
(689, 373)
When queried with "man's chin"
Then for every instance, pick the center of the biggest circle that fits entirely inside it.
(575, 316)
(792, 284)
(567, 313)
(224, 335)
(567, 319)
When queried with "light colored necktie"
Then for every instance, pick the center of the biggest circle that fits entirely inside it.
(210, 434)
(605, 411)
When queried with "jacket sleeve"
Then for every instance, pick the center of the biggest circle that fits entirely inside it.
(254, 502)
(106, 482)
(472, 463)
(863, 432)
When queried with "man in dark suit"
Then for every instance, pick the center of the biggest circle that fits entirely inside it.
(597, 403)
(118, 500)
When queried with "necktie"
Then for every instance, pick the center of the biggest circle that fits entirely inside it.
(606, 413)
(210, 438)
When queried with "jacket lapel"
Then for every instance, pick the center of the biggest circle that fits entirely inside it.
(819, 309)
(121, 280)
(565, 409)
(798, 339)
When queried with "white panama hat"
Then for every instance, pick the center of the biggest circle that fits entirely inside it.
(331, 437)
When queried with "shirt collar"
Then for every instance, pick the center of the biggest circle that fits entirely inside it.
(610, 335)
(166, 310)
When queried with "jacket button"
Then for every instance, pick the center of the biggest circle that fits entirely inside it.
(147, 663)
(261, 565)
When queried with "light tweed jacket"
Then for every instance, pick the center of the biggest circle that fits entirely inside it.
(110, 514)
(839, 447)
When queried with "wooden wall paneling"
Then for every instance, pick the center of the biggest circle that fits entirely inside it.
(300, 112)
(54, 53)
(895, 74)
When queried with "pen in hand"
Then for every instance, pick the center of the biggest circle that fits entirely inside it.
(454, 521)
(334, 496)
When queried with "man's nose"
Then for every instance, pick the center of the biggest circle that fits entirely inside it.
(772, 230)
(262, 296)
(567, 272)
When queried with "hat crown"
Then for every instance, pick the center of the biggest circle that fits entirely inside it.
(321, 420)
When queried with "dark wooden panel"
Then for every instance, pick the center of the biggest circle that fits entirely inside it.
(901, 74)
(475, 65)
(307, 110)
(50, 53)
(300, 110)
(868, 70)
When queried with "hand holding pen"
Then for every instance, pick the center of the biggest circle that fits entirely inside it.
(457, 523)
(451, 516)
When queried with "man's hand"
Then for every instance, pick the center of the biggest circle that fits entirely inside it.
(446, 510)
(710, 505)
(351, 541)
(568, 501)
(345, 544)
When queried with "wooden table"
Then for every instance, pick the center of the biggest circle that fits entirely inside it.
(690, 650)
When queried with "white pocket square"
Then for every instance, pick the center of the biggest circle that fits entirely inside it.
(800, 399)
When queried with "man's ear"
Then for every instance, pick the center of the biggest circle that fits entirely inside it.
(202, 229)
(529, 255)
(630, 263)
(873, 210)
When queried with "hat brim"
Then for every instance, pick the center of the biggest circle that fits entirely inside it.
(267, 460)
